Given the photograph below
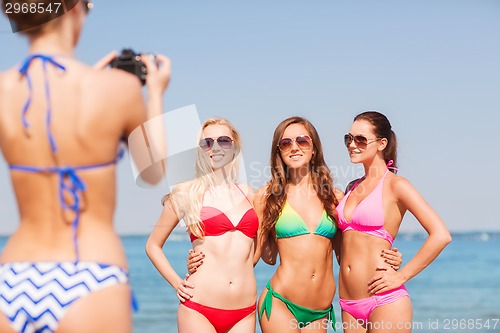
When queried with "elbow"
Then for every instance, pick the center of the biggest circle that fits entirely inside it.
(444, 238)
(447, 239)
(149, 249)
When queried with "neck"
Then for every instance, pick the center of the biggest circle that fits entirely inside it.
(221, 176)
(300, 176)
(375, 169)
(53, 42)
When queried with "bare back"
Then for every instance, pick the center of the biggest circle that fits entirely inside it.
(91, 111)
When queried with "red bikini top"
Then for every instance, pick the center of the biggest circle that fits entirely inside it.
(215, 222)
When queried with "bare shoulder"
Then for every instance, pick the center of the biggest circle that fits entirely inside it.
(125, 84)
(9, 78)
(400, 185)
(260, 197)
(338, 193)
(247, 190)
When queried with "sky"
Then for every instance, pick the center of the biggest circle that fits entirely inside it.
(431, 66)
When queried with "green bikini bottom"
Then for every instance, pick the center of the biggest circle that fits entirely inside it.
(303, 315)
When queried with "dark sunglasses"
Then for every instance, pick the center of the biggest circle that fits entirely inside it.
(224, 142)
(303, 141)
(87, 5)
(359, 140)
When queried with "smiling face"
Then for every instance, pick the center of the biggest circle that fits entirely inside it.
(359, 149)
(296, 147)
(218, 145)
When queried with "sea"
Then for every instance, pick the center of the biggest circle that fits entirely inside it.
(458, 292)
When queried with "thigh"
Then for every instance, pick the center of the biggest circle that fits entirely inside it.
(106, 310)
(392, 317)
(281, 319)
(351, 324)
(5, 324)
(317, 326)
(246, 325)
(189, 321)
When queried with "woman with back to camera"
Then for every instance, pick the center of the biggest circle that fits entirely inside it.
(220, 297)
(61, 124)
(370, 215)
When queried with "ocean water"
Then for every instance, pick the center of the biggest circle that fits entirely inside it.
(459, 292)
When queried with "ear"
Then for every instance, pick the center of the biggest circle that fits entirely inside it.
(382, 144)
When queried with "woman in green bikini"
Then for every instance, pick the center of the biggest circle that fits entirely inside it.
(297, 213)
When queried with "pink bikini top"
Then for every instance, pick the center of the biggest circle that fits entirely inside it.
(367, 216)
(215, 222)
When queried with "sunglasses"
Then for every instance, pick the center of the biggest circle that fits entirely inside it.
(303, 142)
(224, 142)
(359, 140)
(87, 5)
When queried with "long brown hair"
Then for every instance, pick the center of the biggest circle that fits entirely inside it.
(275, 194)
(383, 129)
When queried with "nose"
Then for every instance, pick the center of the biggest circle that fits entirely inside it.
(351, 143)
(294, 146)
(216, 146)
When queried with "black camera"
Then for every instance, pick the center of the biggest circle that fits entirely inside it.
(131, 62)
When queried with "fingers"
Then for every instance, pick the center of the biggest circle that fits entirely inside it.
(377, 289)
(182, 294)
(182, 290)
(393, 258)
(373, 286)
(185, 283)
(147, 59)
(195, 260)
(158, 72)
(388, 254)
(378, 284)
(392, 263)
(375, 279)
(104, 61)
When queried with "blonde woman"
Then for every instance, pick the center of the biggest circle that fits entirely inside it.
(222, 224)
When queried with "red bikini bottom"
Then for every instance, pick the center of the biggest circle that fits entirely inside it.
(222, 320)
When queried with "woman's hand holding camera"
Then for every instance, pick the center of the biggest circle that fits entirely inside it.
(159, 72)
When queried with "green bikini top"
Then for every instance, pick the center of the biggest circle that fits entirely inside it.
(290, 224)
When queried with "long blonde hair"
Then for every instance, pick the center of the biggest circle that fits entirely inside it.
(187, 197)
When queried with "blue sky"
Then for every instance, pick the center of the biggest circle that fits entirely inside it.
(431, 66)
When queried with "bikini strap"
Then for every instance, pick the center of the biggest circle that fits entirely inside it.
(356, 184)
(389, 166)
(69, 184)
(243, 193)
(24, 71)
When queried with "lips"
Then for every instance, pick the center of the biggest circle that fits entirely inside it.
(217, 157)
(295, 157)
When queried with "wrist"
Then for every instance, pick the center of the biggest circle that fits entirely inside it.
(405, 277)
(154, 95)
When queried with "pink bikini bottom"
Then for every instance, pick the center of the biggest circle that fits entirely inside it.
(362, 308)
